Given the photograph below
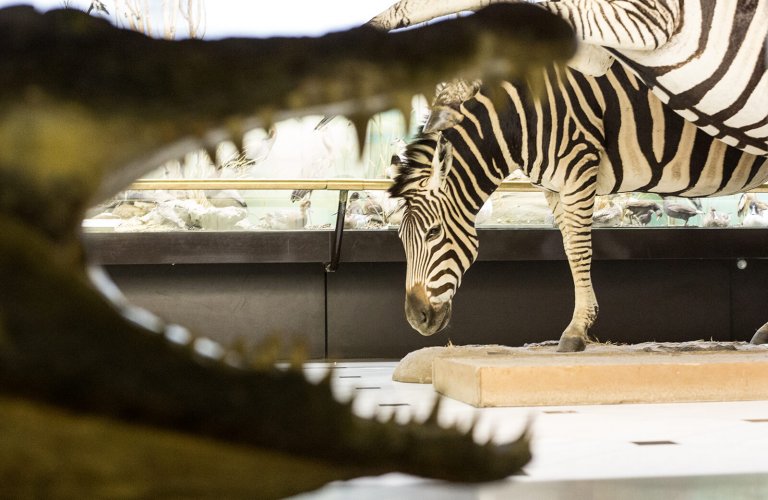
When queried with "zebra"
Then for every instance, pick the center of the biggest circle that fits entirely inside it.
(706, 59)
(583, 136)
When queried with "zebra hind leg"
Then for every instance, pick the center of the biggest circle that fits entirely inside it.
(761, 335)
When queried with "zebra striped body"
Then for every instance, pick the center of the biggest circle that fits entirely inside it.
(707, 59)
(586, 136)
(713, 71)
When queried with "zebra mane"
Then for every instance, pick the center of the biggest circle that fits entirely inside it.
(415, 171)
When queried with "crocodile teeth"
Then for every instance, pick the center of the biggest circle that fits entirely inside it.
(265, 353)
(403, 104)
(211, 152)
(360, 122)
(299, 355)
(178, 334)
(208, 348)
(432, 418)
(237, 134)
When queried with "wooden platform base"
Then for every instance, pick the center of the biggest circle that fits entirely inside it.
(645, 373)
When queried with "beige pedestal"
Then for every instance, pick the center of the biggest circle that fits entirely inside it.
(545, 378)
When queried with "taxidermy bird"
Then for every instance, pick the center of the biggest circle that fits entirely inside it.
(300, 194)
(287, 218)
(609, 215)
(641, 211)
(360, 221)
(364, 205)
(716, 219)
(746, 200)
(755, 218)
(363, 211)
(680, 210)
(520, 208)
(644, 218)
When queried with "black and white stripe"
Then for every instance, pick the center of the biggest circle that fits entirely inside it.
(585, 136)
(441, 233)
(714, 71)
(707, 59)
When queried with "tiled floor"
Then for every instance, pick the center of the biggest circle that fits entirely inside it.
(660, 451)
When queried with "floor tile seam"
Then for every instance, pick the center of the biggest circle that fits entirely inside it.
(691, 428)
(642, 454)
(603, 440)
(673, 409)
(587, 451)
(567, 477)
(580, 471)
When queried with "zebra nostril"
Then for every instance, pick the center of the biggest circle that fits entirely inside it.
(418, 310)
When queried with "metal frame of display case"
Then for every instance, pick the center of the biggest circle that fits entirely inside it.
(534, 244)
(508, 243)
(343, 186)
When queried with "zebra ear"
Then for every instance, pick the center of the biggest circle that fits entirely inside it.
(441, 118)
(441, 164)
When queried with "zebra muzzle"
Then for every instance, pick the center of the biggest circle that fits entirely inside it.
(425, 317)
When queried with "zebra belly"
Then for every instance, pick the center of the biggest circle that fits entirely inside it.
(697, 169)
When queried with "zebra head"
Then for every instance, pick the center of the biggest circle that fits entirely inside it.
(437, 232)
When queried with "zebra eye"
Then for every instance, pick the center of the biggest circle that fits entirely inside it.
(433, 233)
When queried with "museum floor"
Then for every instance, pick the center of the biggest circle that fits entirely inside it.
(659, 451)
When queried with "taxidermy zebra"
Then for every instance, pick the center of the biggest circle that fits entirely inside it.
(706, 59)
(586, 136)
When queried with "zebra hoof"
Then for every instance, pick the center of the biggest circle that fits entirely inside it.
(571, 343)
(761, 337)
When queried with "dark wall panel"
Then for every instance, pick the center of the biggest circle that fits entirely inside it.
(661, 285)
(513, 303)
(365, 313)
(749, 295)
(228, 302)
(662, 300)
(502, 303)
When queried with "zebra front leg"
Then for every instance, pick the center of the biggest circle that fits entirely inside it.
(573, 215)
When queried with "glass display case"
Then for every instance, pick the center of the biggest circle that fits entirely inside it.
(294, 176)
(312, 204)
(289, 178)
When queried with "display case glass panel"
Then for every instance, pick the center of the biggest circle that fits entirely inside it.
(293, 177)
